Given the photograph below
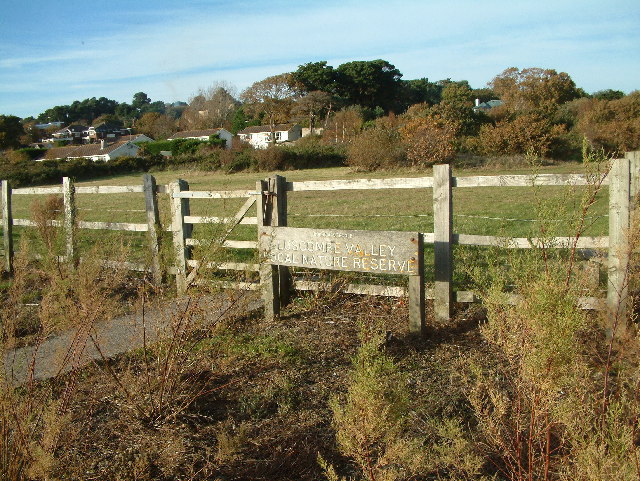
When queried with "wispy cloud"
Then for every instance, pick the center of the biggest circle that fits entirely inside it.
(171, 50)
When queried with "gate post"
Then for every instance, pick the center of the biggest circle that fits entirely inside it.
(278, 185)
(7, 226)
(181, 231)
(269, 278)
(442, 240)
(153, 223)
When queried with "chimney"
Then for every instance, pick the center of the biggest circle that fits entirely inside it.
(102, 144)
(477, 102)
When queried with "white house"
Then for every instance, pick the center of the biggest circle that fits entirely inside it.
(204, 135)
(260, 136)
(103, 151)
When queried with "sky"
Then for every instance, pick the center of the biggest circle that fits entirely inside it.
(52, 53)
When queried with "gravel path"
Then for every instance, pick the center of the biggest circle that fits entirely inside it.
(76, 347)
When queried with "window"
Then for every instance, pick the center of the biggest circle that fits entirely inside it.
(278, 136)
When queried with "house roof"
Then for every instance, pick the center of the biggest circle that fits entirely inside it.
(489, 104)
(195, 133)
(256, 129)
(87, 150)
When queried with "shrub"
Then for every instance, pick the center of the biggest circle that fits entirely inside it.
(430, 140)
(525, 133)
(376, 148)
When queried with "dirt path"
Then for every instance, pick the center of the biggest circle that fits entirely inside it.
(77, 347)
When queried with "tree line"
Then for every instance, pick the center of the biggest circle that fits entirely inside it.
(418, 121)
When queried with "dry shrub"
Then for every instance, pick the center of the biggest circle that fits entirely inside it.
(613, 125)
(272, 158)
(378, 430)
(376, 148)
(545, 400)
(430, 140)
(525, 133)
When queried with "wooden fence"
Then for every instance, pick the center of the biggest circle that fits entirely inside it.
(270, 197)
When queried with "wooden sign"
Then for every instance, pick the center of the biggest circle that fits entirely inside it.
(344, 250)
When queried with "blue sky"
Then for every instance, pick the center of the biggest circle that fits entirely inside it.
(52, 53)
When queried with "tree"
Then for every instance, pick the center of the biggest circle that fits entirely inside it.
(155, 125)
(10, 131)
(273, 96)
(210, 108)
(370, 83)
(313, 105)
(316, 76)
(419, 91)
(534, 90)
(608, 94)
(456, 108)
(140, 100)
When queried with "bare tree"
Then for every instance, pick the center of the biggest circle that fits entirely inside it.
(210, 108)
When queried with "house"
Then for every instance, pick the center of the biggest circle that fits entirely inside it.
(72, 134)
(103, 151)
(486, 106)
(204, 135)
(260, 136)
(104, 130)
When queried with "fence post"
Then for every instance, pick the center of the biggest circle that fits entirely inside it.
(416, 291)
(7, 226)
(442, 236)
(278, 185)
(181, 231)
(69, 199)
(619, 217)
(269, 278)
(153, 221)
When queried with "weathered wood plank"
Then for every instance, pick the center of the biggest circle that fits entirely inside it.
(239, 286)
(225, 266)
(181, 231)
(216, 194)
(69, 198)
(269, 283)
(234, 244)
(526, 243)
(417, 313)
(37, 190)
(110, 189)
(381, 252)
(278, 184)
(196, 219)
(153, 226)
(7, 223)
(522, 180)
(619, 217)
(361, 184)
(442, 232)
(365, 289)
(122, 226)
